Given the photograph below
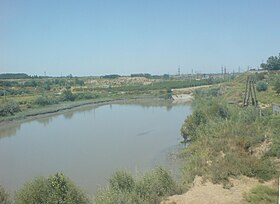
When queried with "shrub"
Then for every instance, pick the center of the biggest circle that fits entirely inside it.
(44, 100)
(154, 185)
(261, 86)
(217, 109)
(54, 189)
(67, 95)
(192, 123)
(9, 108)
(112, 196)
(4, 196)
(149, 188)
(168, 94)
(122, 181)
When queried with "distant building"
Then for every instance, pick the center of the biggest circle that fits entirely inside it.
(258, 70)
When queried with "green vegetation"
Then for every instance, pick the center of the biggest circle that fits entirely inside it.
(4, 196)
(261, 86)
(223, 139)
(14, 76)
(262, 195)
(233, 91)
(38, 94)
(277, 86)
(45, 100)
(54, 189)
(67, 95)
(9, 108)
(272, 63)
(149, 188)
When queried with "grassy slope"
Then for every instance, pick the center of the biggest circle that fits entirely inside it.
(226, 138)
(233, 90)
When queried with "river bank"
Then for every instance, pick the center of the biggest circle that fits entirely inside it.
(62, 107)
(233, 152)
(46, 111)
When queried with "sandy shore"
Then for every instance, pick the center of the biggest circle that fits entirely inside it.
(182, 98)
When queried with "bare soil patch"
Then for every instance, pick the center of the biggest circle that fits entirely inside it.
(209, 193)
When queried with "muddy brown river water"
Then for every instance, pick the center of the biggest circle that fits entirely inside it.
(90, 143)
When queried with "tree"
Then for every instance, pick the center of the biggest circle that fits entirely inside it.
(67, 95)
(272, 63)
(57, 189)
(191, 125)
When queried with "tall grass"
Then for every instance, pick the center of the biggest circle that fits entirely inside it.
(262, 195)
(223, 139)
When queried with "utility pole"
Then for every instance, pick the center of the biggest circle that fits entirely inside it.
(179, 70)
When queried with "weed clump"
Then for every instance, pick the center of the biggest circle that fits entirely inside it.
(262, 195)
(149, 188)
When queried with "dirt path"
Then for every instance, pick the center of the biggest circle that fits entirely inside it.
(189, 89)
(209, 193)
(184, 95)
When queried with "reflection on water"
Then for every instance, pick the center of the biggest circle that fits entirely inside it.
(90, 143)
(45, 121)
(68, 115)
(9, 130)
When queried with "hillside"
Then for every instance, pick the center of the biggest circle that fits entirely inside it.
(233, 151)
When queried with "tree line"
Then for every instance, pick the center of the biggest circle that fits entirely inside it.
(272, 63)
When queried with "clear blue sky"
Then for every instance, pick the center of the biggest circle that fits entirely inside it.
(136, 36)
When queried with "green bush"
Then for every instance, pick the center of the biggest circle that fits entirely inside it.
(54, 189)
(262, 195)
(122, 181)
(261, 86)
(9, 108)
(149, 188)
(192, 124)
(67, 95)
(154, 185)
(44, 100)
(4, 196)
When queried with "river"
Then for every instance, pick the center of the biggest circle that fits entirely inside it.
(90, 143)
